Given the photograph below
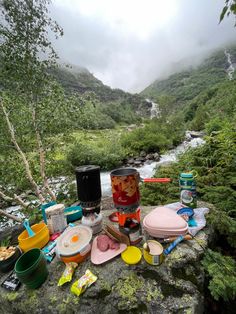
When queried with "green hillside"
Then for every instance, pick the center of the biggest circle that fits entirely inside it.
(204, 98)
(185, 85)
(214, 105)
(79, 81)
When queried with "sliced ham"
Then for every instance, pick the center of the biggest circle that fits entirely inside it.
(114, 245)
(104, 243)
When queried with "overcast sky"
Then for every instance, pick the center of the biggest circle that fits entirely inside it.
(129, 43)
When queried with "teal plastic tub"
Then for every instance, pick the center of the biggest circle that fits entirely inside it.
(73, 213)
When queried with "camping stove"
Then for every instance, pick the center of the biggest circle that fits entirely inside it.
(126, 198)
(129, 224)
(92, 218)
(89, 193)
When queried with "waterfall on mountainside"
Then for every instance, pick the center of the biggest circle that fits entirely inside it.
(231, 68)
(155, 110)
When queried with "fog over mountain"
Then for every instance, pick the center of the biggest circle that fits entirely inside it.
(128, 43)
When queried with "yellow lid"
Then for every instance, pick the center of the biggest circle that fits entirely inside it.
(132, 255)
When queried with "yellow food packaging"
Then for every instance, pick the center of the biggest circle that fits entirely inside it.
(67, 274)
(80, 285)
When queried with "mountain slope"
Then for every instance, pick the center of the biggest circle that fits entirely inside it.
(185, 85)
(213, 107)
(80, 80)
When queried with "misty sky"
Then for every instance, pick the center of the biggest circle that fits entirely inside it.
(129, 43)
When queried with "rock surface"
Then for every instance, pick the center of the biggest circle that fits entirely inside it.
(176, 286)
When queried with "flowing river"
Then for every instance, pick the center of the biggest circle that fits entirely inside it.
(148, 170)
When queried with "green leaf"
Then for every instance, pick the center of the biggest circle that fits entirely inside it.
(222, 15)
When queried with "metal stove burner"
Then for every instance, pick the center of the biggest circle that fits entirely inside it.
(91, 210)
(90, 204)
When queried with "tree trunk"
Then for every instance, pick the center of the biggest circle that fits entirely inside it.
(23, 157)
(11, 199)
(10, 216)
(41, 157)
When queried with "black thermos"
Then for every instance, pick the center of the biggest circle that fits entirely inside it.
(88, 185)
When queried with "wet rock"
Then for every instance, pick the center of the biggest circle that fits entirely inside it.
(130, 161)
(142, 159)
(150, 156)
(156, 157)
(143, 153)
(137, 162)
(195, 134)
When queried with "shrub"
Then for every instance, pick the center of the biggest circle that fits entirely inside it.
(215, 164)
(107, 154)
(222, 271)
(155, 136)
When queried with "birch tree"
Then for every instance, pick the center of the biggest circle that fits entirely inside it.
(26, 55)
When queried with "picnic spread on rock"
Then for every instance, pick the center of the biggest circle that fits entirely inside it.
(73, 234)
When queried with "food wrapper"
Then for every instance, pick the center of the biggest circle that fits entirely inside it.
(67, 274)
(80, 285)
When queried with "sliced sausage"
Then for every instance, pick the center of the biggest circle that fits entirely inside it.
(103, 242)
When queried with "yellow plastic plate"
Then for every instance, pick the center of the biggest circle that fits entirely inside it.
(132, 255)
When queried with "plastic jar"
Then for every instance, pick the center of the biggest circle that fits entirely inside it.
(56, 219)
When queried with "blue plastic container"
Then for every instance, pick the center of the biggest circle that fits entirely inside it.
(73, 213)
(186, 211)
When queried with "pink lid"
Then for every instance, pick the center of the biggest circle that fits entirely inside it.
(164, 219)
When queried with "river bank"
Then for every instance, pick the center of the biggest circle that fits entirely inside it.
(147, 169)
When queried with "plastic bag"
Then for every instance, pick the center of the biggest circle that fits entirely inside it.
(67, 274)
(80, 285)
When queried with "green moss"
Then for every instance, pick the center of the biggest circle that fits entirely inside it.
(53, 299)
(186, 298)
(61, 308)
(129, 286)
(30, 302)
(175, 255)
(201, 242)
(12, 296)
(188, 311)
(67, 303)
(153, 293)
(104, 285)
(74, 300)
(127, 289)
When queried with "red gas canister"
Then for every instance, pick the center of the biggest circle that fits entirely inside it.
(125, 188)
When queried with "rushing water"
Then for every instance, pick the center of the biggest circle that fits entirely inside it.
(13, 210)
(155, 110)
(148, 170)
(230, 69)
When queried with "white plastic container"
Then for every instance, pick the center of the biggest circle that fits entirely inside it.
(56, 219)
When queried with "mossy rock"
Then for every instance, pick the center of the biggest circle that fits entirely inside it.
(173, 287)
